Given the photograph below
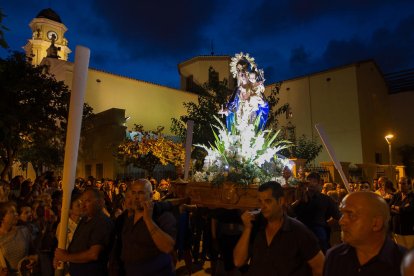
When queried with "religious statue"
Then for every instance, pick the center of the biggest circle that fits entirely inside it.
(247, 104)
(52, 51)
(37, 34)
(243, 151)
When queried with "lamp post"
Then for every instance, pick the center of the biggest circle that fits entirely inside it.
(388, 138)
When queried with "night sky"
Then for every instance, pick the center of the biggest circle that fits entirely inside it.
(289, 38)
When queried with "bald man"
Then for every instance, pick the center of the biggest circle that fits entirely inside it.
(148, 236)
(366, 249)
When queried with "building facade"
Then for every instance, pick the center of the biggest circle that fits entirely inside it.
(351, 102)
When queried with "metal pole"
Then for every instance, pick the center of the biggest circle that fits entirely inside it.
(390, 152)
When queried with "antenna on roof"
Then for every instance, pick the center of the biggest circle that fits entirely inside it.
(212, 48)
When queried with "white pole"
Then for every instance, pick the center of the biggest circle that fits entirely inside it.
(77, 98)
(332, 155)
(188, 143)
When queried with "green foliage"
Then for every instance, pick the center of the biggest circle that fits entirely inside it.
(273, 101)
(146, 149)
(210, 101)
(33, 114)
(304, 148)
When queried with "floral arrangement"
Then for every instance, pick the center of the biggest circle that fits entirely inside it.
(244, 155)
(146, 149)
(243, 151)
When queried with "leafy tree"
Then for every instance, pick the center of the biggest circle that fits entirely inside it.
(210, 100)
(307, 149)
(275, 111)
(33, 114)
(213, 97)
(147, 149)
(304, 148)
(3, 28)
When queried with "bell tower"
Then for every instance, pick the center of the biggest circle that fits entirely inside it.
(47, 29)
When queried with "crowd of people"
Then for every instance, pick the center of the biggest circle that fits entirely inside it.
(140, 227)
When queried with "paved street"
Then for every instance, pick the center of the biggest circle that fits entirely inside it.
(199, 270)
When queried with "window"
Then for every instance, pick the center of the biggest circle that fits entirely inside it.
(378, 158)
(88, 170)
(189, 83)
(213, 76)
(289, 132)
(99, 171)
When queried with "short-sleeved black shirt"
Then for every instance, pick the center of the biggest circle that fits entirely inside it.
(317, 210)
(290, 250)
(342, 260)
(97, 231)
(137, 243)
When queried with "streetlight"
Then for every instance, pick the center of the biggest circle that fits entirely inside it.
(388, 138)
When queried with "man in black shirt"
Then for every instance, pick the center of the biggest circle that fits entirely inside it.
(88, 252)
(281, 245)
(148, 236)
(367, 249)
(314, 209)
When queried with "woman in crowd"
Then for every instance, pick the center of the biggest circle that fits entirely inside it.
(75, 213)
(386, 188)
(15, 242)
(25, 219)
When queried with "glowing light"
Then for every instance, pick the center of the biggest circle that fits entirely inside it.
(389, 137)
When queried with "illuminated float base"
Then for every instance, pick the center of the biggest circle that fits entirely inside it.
(227, 195)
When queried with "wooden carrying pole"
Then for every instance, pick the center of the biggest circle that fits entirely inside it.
(188, 143)
(331, 152)
(77, 98)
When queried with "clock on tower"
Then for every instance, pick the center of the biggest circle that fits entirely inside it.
(50, 35)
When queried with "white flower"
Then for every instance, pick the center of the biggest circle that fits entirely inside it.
(211, 176)
(200, 176)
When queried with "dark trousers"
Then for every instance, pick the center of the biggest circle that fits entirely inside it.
(323, 236)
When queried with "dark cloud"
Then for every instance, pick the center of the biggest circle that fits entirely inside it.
(392, 49)
(339, 52)
(273, 63)
(299, 60)
(101, 58)
(156, 28)
(289, 38)
(270, 74)
(270, 17)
